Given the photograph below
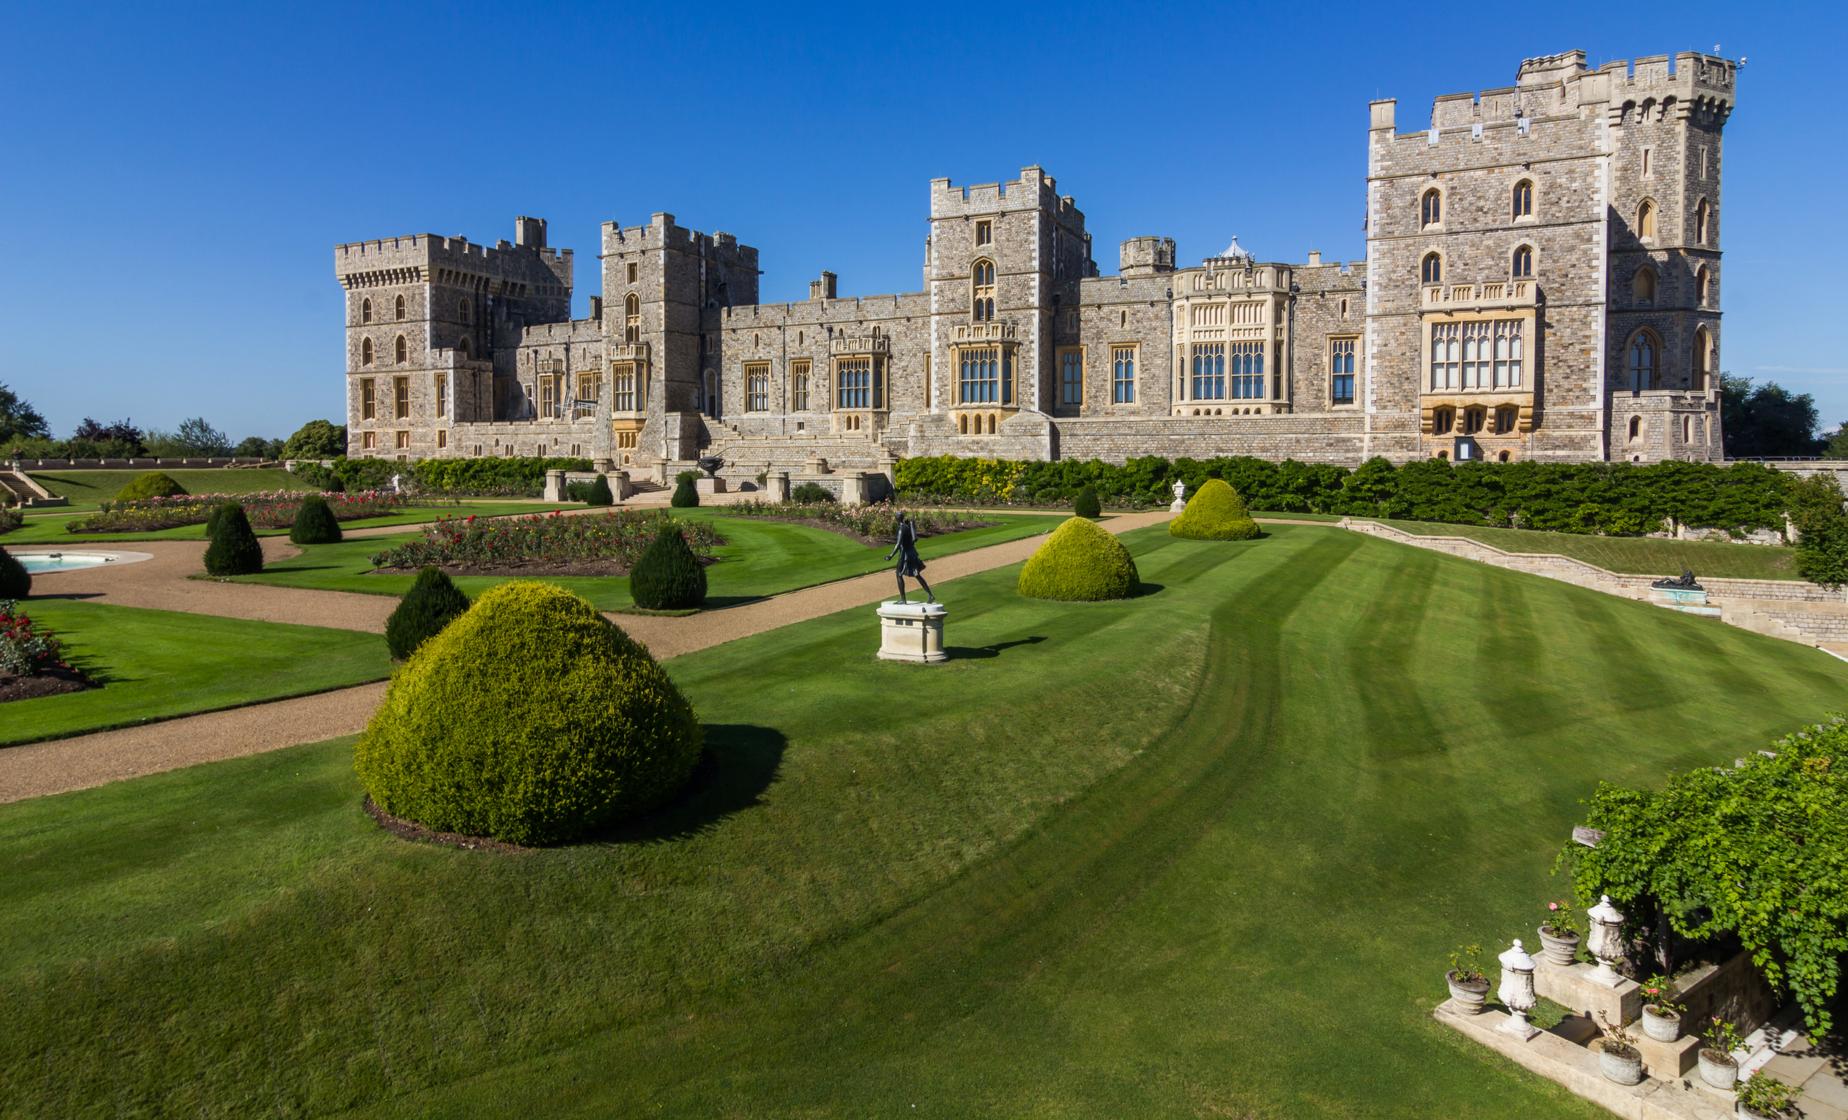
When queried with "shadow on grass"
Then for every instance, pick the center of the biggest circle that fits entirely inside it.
(993, 649)
(70, 595)
(720, 602)
(739, 763)
(1145, 589)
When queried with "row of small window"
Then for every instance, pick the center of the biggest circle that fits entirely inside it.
(401, 440)
(1642, 363)
(400, 397)
(1643, 285)
(1520, 265)
(1521, 205)
(464, 311)
(859, 383)
(1474, 419)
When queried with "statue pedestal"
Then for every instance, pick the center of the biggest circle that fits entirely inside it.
(1177, 506)
(911, 632)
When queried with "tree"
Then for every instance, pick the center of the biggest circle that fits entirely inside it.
(317, 439)
(117, 439)
(1822, 530)
(1838, 444)
(18, 419)
(1767, 421)
(195, 438)
(234, 550)
(256, 447)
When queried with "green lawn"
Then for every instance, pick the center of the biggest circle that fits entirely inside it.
(760, 557)
(1635, 555)
(1201, 853)
(86, 488)
(49, 527)
(159, 664)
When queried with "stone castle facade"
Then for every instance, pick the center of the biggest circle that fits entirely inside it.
(1542, 282)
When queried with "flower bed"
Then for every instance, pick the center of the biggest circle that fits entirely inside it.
(31, 660)
(543, 543)
(273, 510)
(876, 523)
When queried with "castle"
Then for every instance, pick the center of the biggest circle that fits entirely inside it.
(1542, 282)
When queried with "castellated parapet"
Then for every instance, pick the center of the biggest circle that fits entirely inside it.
(1541, 281)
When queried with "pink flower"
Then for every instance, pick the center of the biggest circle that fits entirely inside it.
(1552, 906)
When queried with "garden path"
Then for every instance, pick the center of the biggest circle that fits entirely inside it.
(82, 761)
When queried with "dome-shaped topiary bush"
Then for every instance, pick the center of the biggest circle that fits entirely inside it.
(234, 550)
(1214, 513)
(314, 522)
(1086, 504)
(811, 492)
(531, 719)
(15, 581)
(668, 577)
(598, 493)
(686, 492)
(1080, 561)
(433, 602)
(153, 484)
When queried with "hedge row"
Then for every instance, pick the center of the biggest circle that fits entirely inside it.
(1616, 499)
(486, 477)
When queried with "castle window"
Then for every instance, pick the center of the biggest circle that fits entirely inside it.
(1344, 307)
(984, 232)
(589, 388)
(442, 395)
(1071, 378)
(799, 386)
(1431, 209)
(1703, 358)
(462, 311)
(1446, 350)
(1505, 419)
(402, 350)
(632, 272)
(625, 388)
(1508, 356)
(1640, 359)
(1636, 428)
(404, 440)
(463, 347)
(1522, 268)
(400, 307)
(365, 352)
(1443, 420)
(1702, 212)
(1646, 220)
(400, 398)
(1123, 375)
(1431, 269)
(1475, 419)
(1209, 371)
(632, 318)
(1648, 166)
(757, 387)
(984, 376)
(1341, 370)
(369, 441)
(442, 437)
(548, 397)
(1248, 371)
(982, 291)
(1643, 286)
(368, 401)
(1523, 199)
(1703, 287)
(856, 382)
(365, 311)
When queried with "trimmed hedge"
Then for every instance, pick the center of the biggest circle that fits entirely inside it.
(598, 493)
(234, 550)
(1618, 499)
(216, 519)
(314, 522)
(1081, 561)
(152, 484)
(489, 476)
(15, 581)
(686, 492)
(810, 492)
(1086, 503)
(531, 719)
(668, 577)
(433, 602)
(1214, 513)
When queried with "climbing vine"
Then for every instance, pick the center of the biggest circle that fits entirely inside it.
(1758, 850)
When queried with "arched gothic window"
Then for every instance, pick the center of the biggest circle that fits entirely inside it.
(1643, 285)
(365, 311)
(632, 318)
(462, 311)
(403, 350)
(1522, 267)
(1646, 220)
(400, 307)
(1636, 428)
(1702, 215)
(1640, 359)
(1431, 270)
(365, 352)
(1703, 358)
(982, 291)
(1431, 209)
(1703, 281)
(1523, 199)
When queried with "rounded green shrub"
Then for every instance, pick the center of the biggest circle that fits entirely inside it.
(433, 602)
(668, 577)
(1086, 504)
(153, 484)
(1214, 513)
(1080, 561)
(598, 493)
(15, 581)
(234, 550)
(810, 492)
(686, 492)
(531, 719)
(314, 522)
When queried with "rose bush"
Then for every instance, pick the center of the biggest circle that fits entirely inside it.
(545, 538)
(272, 510)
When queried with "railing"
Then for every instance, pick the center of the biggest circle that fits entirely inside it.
(864, 344)
(628, 351)
(1505, 293)
(997, 331)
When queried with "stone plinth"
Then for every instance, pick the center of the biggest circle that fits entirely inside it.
(776, 486)
(1666, 1060)
(705, 485)
(554, 486)
(911, 632)
(1574, 987)
(853, 490)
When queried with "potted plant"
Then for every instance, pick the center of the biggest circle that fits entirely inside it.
(1559, 933)
(1618, 1058)
(1468, 986)
(1661, 1014)
(1718, 1067)
(1763, 1097)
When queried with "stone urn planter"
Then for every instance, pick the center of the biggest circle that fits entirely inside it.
(1717, 1068)
(1558, 948)
(1620, 1062)
(1469, 995)
(1661, 1024)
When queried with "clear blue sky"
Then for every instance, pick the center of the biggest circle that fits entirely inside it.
(173, 179)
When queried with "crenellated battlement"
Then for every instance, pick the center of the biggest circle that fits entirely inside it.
(417, 258)
(1034, 190)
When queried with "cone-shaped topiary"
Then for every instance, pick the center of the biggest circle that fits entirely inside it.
(153, 484)
(1087, 504)
(432, 603)
(314, 522)
(216, 518)
(686, 493)
(599, 493)
(1214, 513)
(668, 577)
(234, 551)
(531, 719)
(15, 581)
(1080, 561)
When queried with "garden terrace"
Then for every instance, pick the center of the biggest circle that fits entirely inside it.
(590, 544)
(273, 510)
(871, 523)
(52, 527)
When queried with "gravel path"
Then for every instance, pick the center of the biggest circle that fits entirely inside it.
(83, 761)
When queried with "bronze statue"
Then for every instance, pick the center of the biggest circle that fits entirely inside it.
(1685, 583)
(909, 563)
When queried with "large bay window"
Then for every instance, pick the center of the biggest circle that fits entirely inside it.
(857, 383)
(985, 375)
(626, 388)
(1248, 371)
(1481, 354)
(1209, 371)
